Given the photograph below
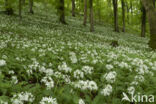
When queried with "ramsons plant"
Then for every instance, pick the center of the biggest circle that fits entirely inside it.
(43, 62)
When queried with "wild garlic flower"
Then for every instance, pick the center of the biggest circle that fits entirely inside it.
(73, 57)
(87, 69)
(107, 90)
(64, 68)
(14, 79)
(81, 101)
(2, 63)
(110, 77)
(3, 102)
(78, 74)
(86, 85)
(48, 81)
(22, 98)
(48, 100)
(109, 66)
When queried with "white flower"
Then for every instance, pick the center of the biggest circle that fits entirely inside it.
(22, 97)
(11, 72)
(81, 101)
(86, 85)
(2, 62)
(64, 68)
(3, 102)
(109, 66)
(87, 69)
(14, 79)
(134, 83)
(49, 72)
(48, 81)
(48, 100)
(78, 74)
(110, 77)
(139, 78)
(123, 65)
(73, 57)
(107, 90)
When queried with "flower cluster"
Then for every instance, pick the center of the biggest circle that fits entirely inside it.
(22, 97)
(48, 100)
(86, 85)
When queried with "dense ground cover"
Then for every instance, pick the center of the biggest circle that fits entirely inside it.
(44, 62)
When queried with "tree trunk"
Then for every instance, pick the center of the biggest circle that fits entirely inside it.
(91, 16)
(127, 7)
(143, 26)
(115, 7)
(99, 10)
(31, 2)
(73, 8)
(123, 15)
(61, 11)
(85, 13)
(131, 7)
(8, 8)
(151, 13)
(154, 3)
(20, 9)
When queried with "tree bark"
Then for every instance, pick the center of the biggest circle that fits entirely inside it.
(131, 7)
(143, 25)
(85, 13)
(91, 16)
(8, 9)
(115, 7)
(123, 15)
(20, 9)
(73, 8)
(61, 11)
(154, 3)
(99, 10)
(127, 7)
(151, 13)
(31, 2)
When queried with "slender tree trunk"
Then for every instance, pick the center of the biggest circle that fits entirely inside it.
(143, 26)
(123, 15)
(127, 7)
(20, 9)
(85, 13)
(99, 10)
(115, 6)
(91, 16)
(8, 9)
(31, 2)
(154, 3)
(73, 8)
(151, 13)
(61, 11)
(131, 7)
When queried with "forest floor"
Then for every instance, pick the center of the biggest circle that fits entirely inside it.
(39, 58)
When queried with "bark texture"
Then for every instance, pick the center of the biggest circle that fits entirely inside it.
(61, 11)
(123, 15)
(115, 7)
(151, 13)
(85, 13)
(31, 2)
(143, 24)
(73, 8)
(91, 16)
